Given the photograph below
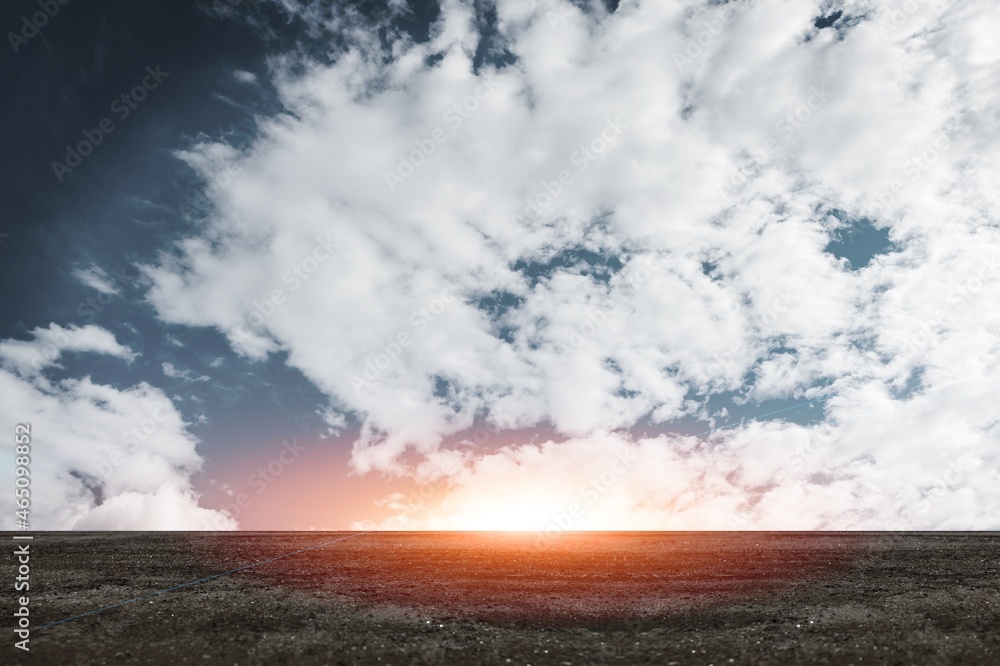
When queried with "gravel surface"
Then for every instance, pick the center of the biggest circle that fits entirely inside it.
(468, 598)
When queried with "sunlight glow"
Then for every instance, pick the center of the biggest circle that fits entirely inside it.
(526, 513)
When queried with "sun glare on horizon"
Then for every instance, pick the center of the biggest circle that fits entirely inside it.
(530, 513)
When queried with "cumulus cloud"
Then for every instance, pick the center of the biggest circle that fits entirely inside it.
(766, 475)
(101, 457)
(631, 217)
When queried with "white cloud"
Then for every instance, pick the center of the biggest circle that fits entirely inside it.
(761, 476)
(96, 278)
(31, 356)
(244, 77)
(735, 130)
(101, 457)
(172, 371)
(166, 508)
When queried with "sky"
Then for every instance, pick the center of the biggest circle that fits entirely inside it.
(537, 265)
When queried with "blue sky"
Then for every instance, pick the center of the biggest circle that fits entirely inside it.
(474, 247)
(132, 198)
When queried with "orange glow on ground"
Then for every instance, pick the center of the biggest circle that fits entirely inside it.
(580, 577)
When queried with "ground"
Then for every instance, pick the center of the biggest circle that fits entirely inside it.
(468, 598)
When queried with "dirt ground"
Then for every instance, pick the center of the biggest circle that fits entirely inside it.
(471, 598)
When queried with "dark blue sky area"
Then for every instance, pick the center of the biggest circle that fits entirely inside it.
(123, 202)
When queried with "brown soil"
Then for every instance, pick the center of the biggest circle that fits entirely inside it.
(584, 598)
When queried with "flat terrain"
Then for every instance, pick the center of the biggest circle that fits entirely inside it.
(466, 598)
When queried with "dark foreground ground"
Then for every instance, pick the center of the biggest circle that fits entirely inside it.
(467, 598)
